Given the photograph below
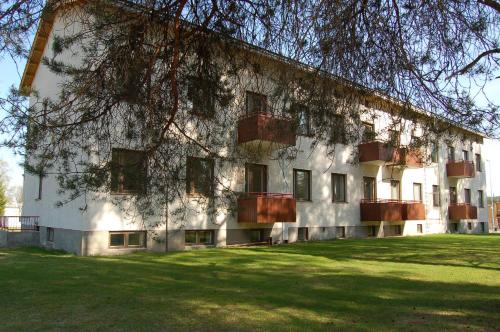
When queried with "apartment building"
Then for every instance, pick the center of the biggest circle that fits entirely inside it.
(391, 191)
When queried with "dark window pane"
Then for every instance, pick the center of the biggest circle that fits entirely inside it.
(205, 237)
(256, 102)
(201, 95)
(369, 188)
(436, 199)
(467, 196)
(255, 235)
(136, 239)
(302, 185)
(117, 239)
(256, 178)
(339, 188)
(453, 195)
(478, 163)
(128, 171)
(190, 237)
(199, 176)
(368, 132)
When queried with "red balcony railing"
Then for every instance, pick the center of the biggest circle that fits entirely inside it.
(376, 153)
(265, 208)
(413, 210)
(391, 210)
(381, 210)
(265, 127)
(19, 223)
(460, 169)
(459, 211)
(409, 157)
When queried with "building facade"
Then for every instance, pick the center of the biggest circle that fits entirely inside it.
(391, 191)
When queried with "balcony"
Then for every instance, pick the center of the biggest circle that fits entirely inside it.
(409, 157)
(413, 210)
(460, 169)
(462, 211)
(266, 129)
(391, 210)
(376, 153)
(381, 210)
(266, 208)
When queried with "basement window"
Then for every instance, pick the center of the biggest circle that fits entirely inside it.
(341, 232)
(127, 239)
(199, 237)
(50, 234)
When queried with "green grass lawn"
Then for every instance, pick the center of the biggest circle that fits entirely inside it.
(445, 282)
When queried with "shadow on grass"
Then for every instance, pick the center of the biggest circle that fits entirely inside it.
(311, 286)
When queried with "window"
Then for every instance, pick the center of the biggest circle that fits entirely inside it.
(255, 235)
(451, 153)
(436, 197)
(127, 239)
(395, 190)
(434, 153)
(453, 195)
(469, 226)
(372, 231)
(340, 232)
(40, 186)
(256, 102)
(199, 176)
(302, 184)
(339, 132)
(369, 189)
(417, 192)
(199, 237)
(201, 96)
(303, 120)
(420, 229)
(339, 187)
(255, 178)
(128, 171)
(480, 199)
(303, 234)
(467, 196)
(50, 234)
(368, 132)
(397, 229)
(465, 154)
(394, 137)
(478, 163)
(454, 227)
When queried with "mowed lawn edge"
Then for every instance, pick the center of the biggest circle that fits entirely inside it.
(432, 282)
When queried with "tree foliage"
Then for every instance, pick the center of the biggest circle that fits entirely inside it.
(166, 77)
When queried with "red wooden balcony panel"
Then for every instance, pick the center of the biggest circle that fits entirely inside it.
(265, 208)
(381, 210)
(375, 152)
(408, 157)
(266, 127)
(413, 210)
(462, 211)
(460, 169)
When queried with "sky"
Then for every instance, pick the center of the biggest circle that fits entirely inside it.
(10, 75)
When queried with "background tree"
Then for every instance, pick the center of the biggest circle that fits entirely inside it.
(147, 66)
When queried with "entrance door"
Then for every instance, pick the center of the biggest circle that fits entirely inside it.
(395, 190)
(255, 178)
(453, 195)
(369, 188)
